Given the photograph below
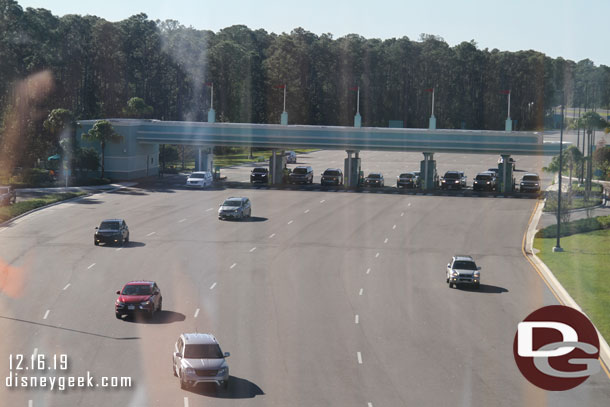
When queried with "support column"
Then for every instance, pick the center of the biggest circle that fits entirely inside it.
(432, 123)
(351, 169)
(428, 172)
(508, 125)
(277, 162)
(205, 159)
(505, 170)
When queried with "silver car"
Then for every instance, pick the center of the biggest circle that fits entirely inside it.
(463, 270)
(235, 208)
(199, 359)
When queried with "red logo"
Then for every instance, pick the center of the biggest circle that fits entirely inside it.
(556, 348)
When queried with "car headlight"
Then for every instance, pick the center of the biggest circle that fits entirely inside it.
(146, 303)
(536, 184)
(222, 370)
(454, 273)
(117, 302)
(189, 370)
(523, 183)
(487, 182)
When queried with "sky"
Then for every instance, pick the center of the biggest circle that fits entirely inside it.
(567, 28)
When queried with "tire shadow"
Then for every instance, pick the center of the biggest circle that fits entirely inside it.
(238, 389)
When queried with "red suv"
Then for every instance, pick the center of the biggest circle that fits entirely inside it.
(138, 297)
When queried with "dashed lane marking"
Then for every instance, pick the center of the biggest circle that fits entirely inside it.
(91, 266)
(271, 235)
(361, 291)
(356, 319)
(212, 286)
(151, 233)
(368, 271)
(233, 265)
(196, 313)
(252, 249)
(359, 355)
(46, 314)
(66, 287)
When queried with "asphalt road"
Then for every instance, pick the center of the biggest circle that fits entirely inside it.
(322, 298)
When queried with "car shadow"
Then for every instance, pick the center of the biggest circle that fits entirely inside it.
(160, 317)
(484, 288)
(133, 243)
(256, 219)
(238, 389)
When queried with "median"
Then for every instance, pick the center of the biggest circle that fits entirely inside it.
(19, 208)
(582, 268)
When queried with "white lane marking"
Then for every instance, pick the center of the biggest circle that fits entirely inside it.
(377, 255)
(119, 249)
(151, 233)
(402, 214)
(393, 227)
(35, 352)
(196, 313)
(252, 249)
(209, 209)
(359, 358)
(30, 403)
(323, 200)
(271, 235)
(46, 314)
(233, 265)
(90, 266)
(357, 319)
(181, 220)
(361, 291)
(290, 221)
(386, 240)
(368, 271)
(186, 402)
(212, 286)
(409, 204)
(66, 287)
(369, 404)
(306, 211)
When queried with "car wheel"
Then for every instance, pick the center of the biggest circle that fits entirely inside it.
(477, 285)
(127, 238)
(121, 241)
(182, 381)
(225, 384)
(117, 315)
(174, 369)
(160, 307)
(95, 242)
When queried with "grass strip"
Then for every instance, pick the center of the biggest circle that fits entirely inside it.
(11, 211)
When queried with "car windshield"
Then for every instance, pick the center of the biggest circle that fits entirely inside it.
(202, 351)
(531, 178)
(137, 289)
(407, 175)
(483, 177)
(464, 265)
(300, 171)
(259, 170)
(231, 202)
(331, 172)
(452, 175)
(198, 175)
(374, 176)
(110, 225)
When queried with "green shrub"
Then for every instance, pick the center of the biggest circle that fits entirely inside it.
(577, 226)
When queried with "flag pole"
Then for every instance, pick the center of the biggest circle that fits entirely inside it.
(358, 101)
(285, 86)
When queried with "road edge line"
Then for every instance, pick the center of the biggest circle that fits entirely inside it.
(547, 276)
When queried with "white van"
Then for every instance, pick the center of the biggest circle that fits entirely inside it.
(199, 179)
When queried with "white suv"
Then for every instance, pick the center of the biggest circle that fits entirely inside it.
(198, 359)
(199, 179)
(463, 270)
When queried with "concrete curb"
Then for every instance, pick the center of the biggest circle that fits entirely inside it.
(115, 188)
(551, 281)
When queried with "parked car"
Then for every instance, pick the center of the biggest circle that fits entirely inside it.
(374, 179)
(463, 179)
(453, 179)
(463, 270)
(530, 183)
(111, 231)
(235, 208)
(8, 195)
(198, 359)
(301, 175)
(485, 181)
(199, 179)
(407, 180)
(291, 157)
(332, 176)
(259, 174)
(138, 297)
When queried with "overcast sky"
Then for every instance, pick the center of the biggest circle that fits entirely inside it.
(571, 29)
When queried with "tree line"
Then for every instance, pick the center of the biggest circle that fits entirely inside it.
(97, 66)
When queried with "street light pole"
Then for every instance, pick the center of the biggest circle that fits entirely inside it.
(557, 247)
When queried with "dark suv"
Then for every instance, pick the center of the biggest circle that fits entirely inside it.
(301, 175)
(7, 195)
(453, 179)
(259, 174)
(332, 176)
(530, 182)
(407, 180)
(484, 181)
(138, 297)
(111, 231)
